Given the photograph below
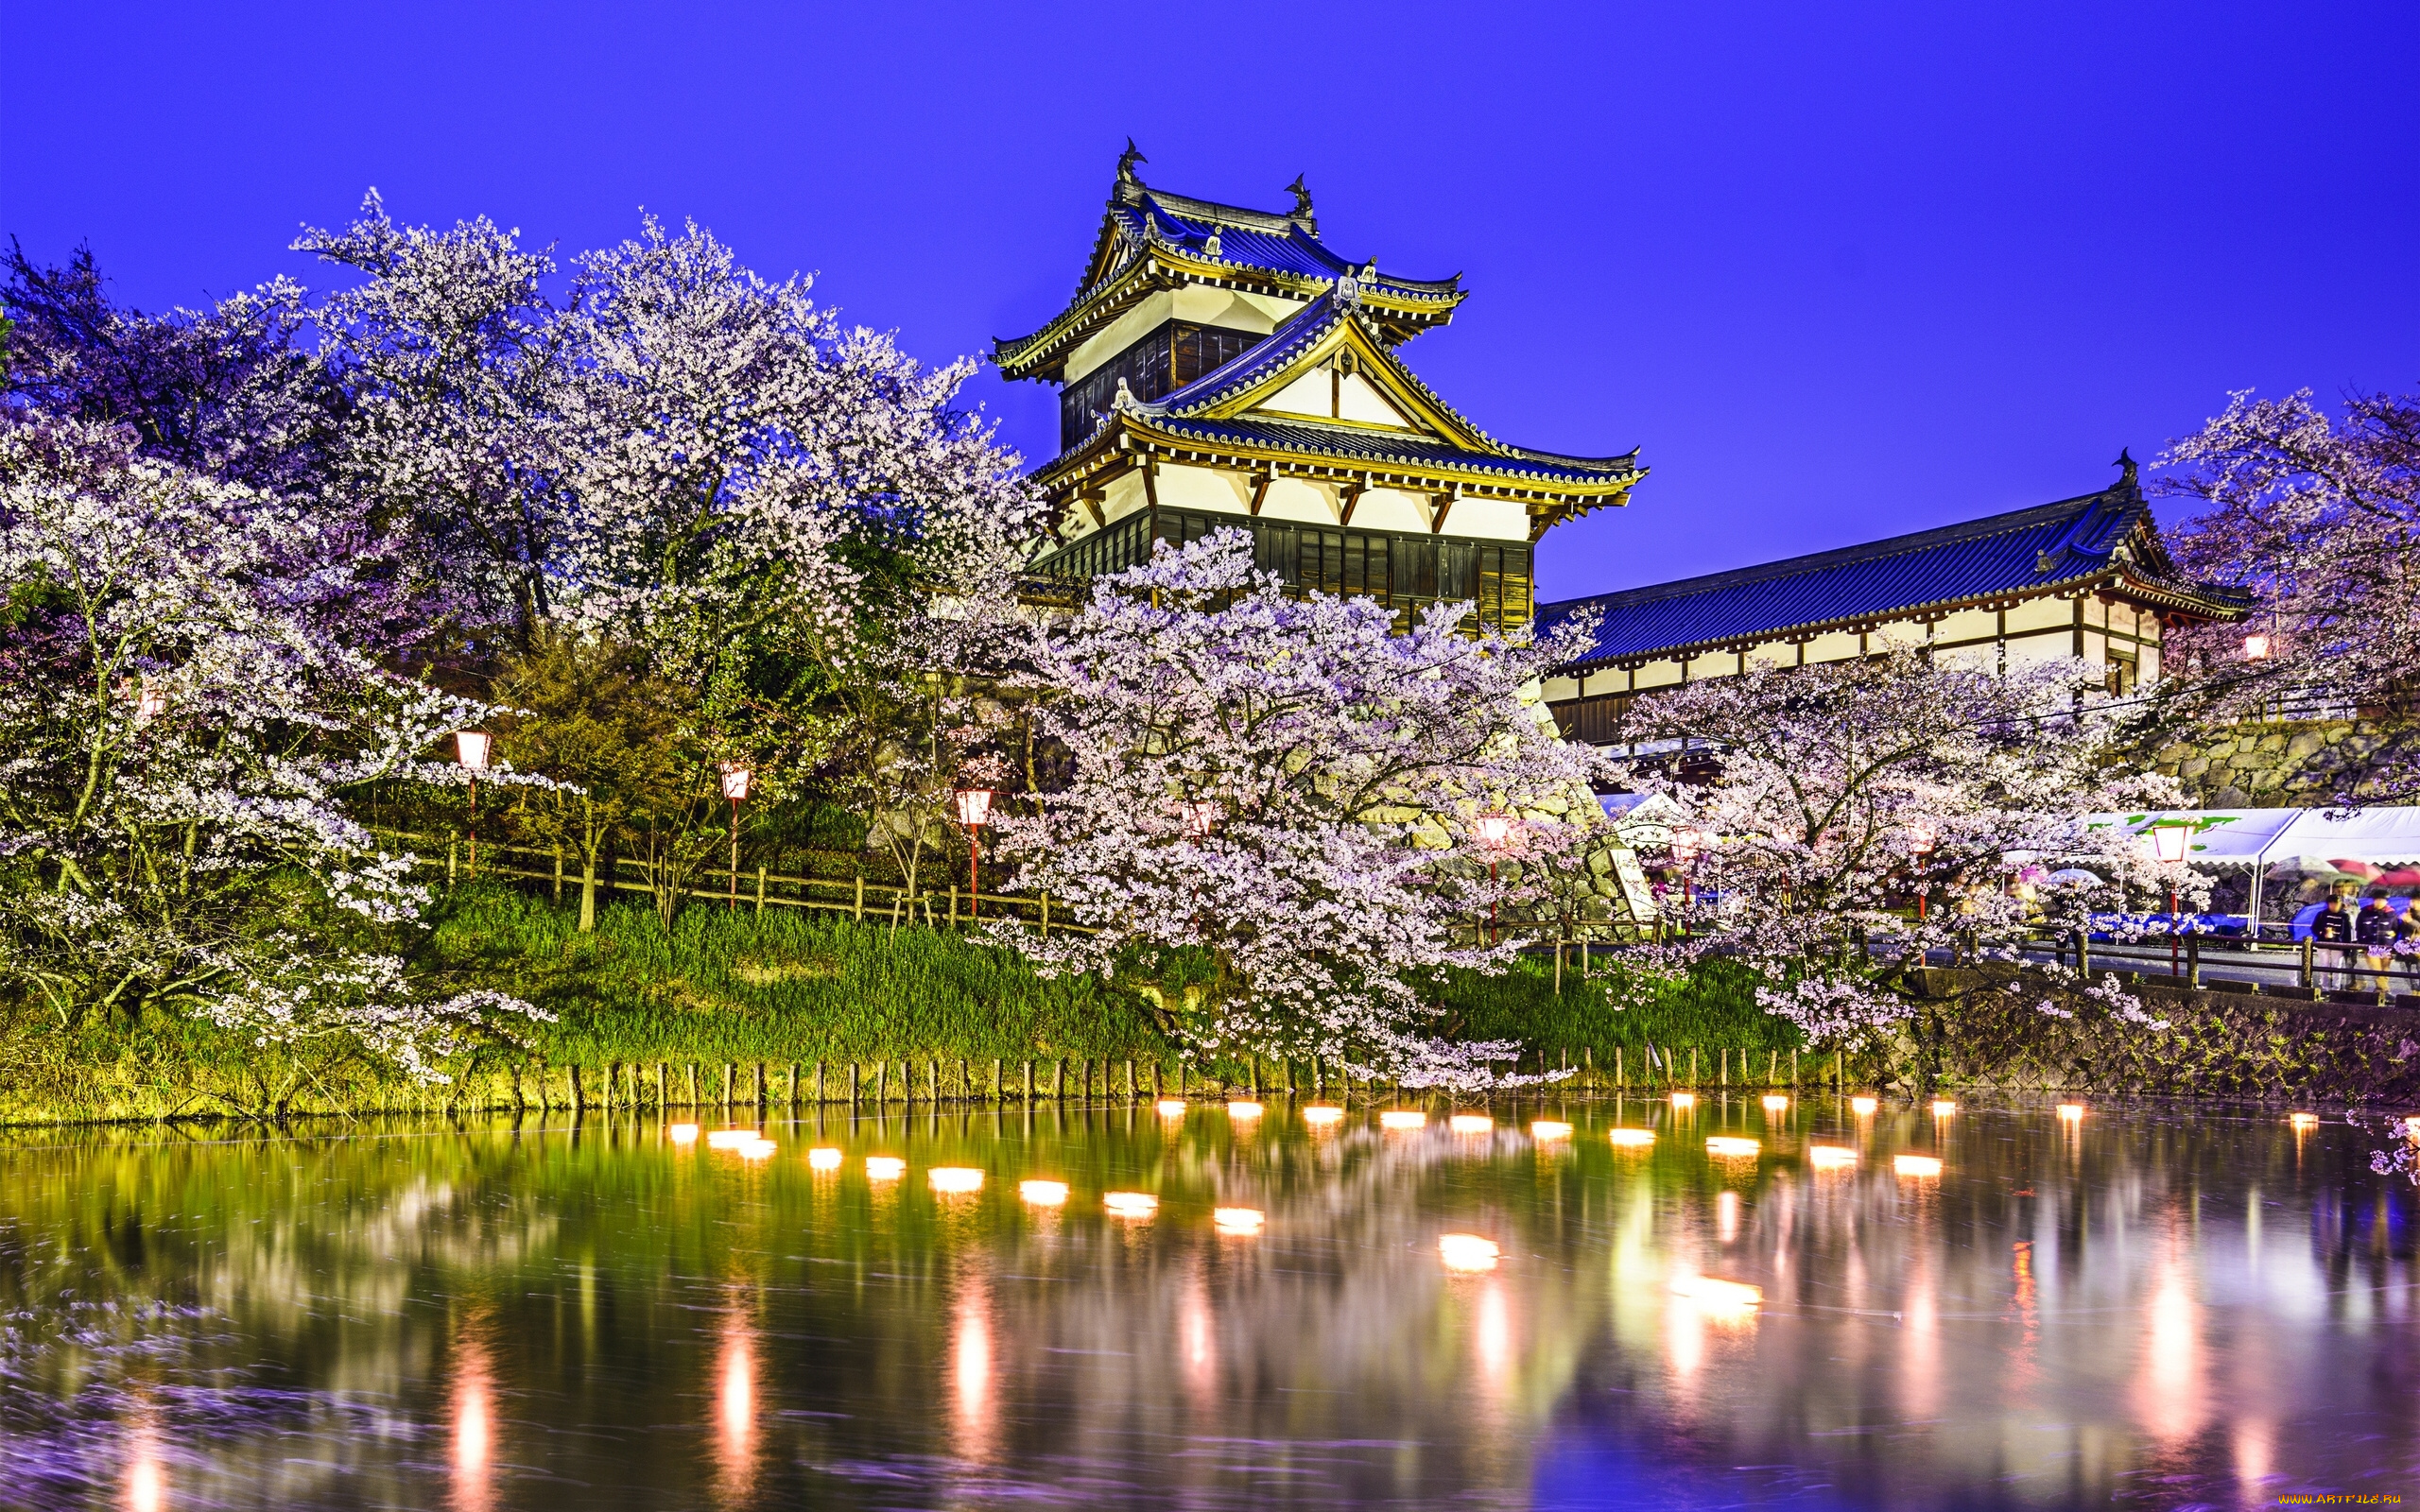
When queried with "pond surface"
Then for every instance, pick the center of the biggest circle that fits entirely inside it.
(2155, 1307)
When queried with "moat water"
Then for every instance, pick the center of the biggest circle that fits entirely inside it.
(2160, 1307)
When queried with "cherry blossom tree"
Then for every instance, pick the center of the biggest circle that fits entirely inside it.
(1268, 812)
(178, 728)
(2318, 518)
(1825, 798)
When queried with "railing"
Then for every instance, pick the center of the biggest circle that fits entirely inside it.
(757, 889)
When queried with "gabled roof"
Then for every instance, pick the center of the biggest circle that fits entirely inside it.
(2097, 541)
(1150, 240)
(1216, 418)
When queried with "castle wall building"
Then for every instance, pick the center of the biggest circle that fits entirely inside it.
(2085, 577)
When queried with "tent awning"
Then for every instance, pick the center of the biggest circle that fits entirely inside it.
(2252, 838)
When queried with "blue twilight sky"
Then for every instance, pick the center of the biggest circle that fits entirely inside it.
(1838, 270)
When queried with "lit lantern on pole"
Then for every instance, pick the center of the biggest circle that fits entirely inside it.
(150, 703)
(1920, 844)
(975, 811)
(1201, 817)
(2169, 842)
(736, 781)
(471, 750)
(1493, 830)
(2256, 648)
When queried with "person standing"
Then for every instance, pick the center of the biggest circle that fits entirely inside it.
(2331, 932)
(2378, 929)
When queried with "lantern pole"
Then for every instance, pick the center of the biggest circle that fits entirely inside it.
(735, 779)
(471, 750)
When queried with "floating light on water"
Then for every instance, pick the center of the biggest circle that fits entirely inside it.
(1943, 1108)
(1466, 1252)
(1549, 1129)
(1171, 1106)
(682, 1133)
(1403, 1118)
(1321, 1115)
(824, 1158)
(1129, 1204)
(755, 1149)
(1916, 1164)
(1829, 1157)
(2411, 1127)
(1685, 1099)
(2071, 1111)
(1244, 1109)
(1637, 1137)
(1470, 1124)
(955, 1179)
(1238, 1220)
(885, 1168)
(2303, 1120)
(1863, 1107)
(1724, 1144)
(1775, 1102)
(729, 1139)
(1707, 1291)
(1043, 1193)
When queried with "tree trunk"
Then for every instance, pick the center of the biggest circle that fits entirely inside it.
(588, 896)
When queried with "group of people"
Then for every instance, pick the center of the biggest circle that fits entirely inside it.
(2371, 927)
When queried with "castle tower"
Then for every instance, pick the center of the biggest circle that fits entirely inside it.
(1220, 368)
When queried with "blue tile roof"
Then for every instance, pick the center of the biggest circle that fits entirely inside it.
(2023, 552)
(1294, 251)
(1361, 444)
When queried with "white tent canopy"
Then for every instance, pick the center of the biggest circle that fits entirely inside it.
(2309, 838)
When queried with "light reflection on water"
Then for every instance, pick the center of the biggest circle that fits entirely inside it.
(2146, 1307)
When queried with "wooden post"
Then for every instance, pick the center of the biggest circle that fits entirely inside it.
(578, 1093)
(790, 1097)
(818, 1084)
(693, 1086)
(1028, 1084)
(882, 1081)
(953, 905)
(450, 845)
(1155, 1080)
(933, 1080)
(1839, 1072)
(995, 1080)
(559, 873)
(760, 889)
(1693, 1065)
(1129, 1078)
(853, 1070)
(1772, 1063)
(660, 1070)
(1059, 1079)
(858, 913)
(1619, 1082)
(2306, 979)
(2193, 962)
(1045, 913)
(1252, 1073)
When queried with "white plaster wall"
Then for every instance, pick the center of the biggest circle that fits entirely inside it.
(2096, 647)
(1773, 653)
(1361, 401)
(1658, 675)
(1489, 518)
(1391, 509)
(1183, 487)
(1837, 647)
(1560, 689)
(1715, 665)
(1966, 625)
(1299, 499)
(2147, 665)
(2041, 615)
(1968, 659)
(1311, 393)
(2037, 650)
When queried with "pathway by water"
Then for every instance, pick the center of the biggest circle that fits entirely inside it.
(2143, 1307)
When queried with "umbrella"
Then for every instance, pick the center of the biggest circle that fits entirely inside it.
(2076, 875)
(2359, 868)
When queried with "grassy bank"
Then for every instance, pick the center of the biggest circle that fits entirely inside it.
(781, 990)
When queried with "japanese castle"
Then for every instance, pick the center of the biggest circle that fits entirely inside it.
(1221, 367)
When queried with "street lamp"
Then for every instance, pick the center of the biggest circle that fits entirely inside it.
(975, 811)
(1920, 844)
(2256, 648)
(1493, 829)
(471, 750)
(2169, 841)
(736, 781)
(1201, 817)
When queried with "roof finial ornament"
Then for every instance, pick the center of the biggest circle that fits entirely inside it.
(1126, 162)
(1302, 192)
(2125, 463)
